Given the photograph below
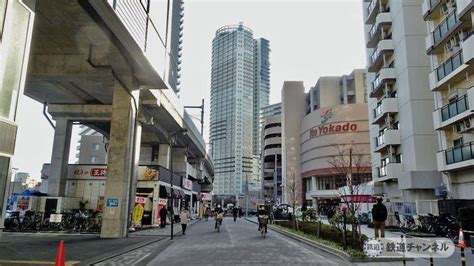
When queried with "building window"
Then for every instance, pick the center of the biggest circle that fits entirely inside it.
(95, 146)
(308, 185)
(94, 159)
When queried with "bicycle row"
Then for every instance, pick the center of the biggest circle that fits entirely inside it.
(71, 220)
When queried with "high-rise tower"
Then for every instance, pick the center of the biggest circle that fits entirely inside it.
(239, 88)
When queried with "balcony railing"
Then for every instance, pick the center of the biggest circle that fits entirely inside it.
(449, 65)
(460, 153)
(444, 27)
(382, 171)
(454, 108)
(380, 140)
(378, 110)
(371, 6)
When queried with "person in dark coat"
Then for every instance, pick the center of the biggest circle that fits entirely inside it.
(379, 216)
(163, 214)
(235, 212)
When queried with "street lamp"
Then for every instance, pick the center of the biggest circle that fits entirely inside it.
(173, 140)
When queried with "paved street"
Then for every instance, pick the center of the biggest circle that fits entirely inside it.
(238, 243)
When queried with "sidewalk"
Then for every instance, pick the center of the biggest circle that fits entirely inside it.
(40, 248)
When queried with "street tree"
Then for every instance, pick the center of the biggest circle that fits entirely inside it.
(352, 168)
(293, 192)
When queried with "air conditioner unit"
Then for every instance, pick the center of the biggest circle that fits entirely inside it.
(468, 125)
(448, 47)
(464, 126)
(454, 42)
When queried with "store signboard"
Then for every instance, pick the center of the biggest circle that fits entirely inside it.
(206, 196)
(162, 203)
(112, 203)
(148, 173)
(187, 184)
(77, 171)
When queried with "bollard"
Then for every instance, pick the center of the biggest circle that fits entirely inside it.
(463, 258)
(319, 228)
(403, 260)
(431, 261)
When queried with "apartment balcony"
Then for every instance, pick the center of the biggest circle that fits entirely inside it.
(383, 21)
(460, 109)
(429, 8)
(463, 7)
(385, 77)
(456, 158)
(468, 49)
(388, 138)
(373, 10)
(389, 172)
(387, 106)
(436, 40)
(384, 48)
(451, 70)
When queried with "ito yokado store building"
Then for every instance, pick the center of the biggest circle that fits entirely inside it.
(327, 137)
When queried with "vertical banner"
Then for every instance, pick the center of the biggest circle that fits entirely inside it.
(138, 210)
(162, 203)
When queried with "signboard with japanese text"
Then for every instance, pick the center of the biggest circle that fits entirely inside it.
(187, 184)
(148, 173)
(112, 203)
(162, 203)
(76, 171)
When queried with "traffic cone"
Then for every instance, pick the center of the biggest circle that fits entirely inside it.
(60, 255)
(461, 242)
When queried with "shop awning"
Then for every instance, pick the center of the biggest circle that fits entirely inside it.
(165, 192)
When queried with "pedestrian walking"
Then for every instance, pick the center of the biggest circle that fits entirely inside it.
(184, 217)
(163, 214)
(379, 216)
(235, 213)
(240, 212)
(207, 212)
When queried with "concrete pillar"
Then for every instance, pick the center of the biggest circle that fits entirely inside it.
(60, 158)
(179, 161)
(164, 155)
(119, 190)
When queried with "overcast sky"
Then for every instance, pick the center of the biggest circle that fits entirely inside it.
(308, 39)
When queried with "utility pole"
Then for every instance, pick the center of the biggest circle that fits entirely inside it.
(172, 174)
(202, 114)
(172, 142)
(246, 195)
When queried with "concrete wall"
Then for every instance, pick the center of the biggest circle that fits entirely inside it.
(293, 110)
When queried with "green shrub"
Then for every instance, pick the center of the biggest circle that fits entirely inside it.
(327, 232)
(309, 215)
(352, 252)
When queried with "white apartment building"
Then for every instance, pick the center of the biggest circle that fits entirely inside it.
(403, 142)
(450, 45)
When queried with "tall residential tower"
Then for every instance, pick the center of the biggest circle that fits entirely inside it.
(403, 141)
(450, 44)
(239, 88)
